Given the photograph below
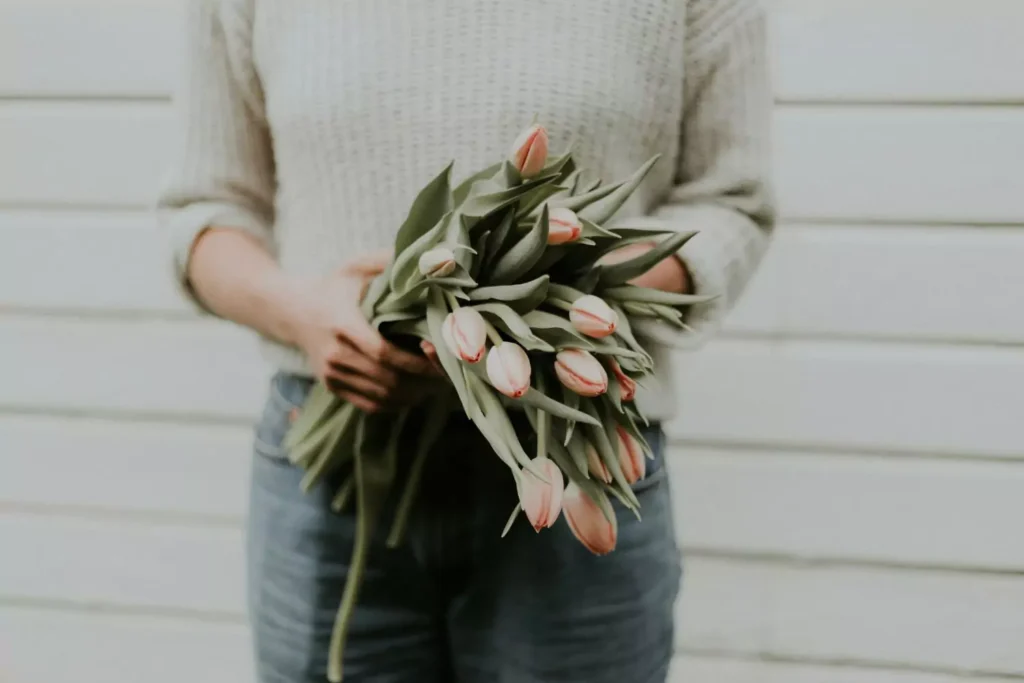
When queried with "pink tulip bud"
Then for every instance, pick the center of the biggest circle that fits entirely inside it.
(590, 315)
(465, 334)
(587, 522)
(437, 262)
(508, 368)
(542, 502)
(596, 466)
(563, 226)
(530, 151)
(580, 371)
(631, 456)
(627, 385)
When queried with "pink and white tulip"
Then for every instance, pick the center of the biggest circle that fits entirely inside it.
(437, 262)
(596, 466)
(627, 385)
(587, 522)
(590, 315)
(530, 151)
(541, 501)
(465, 334)
(631, 456)
(563, 226)
(508, 369)
(581, 372)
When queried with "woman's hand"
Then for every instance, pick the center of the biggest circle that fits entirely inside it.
(346, 352)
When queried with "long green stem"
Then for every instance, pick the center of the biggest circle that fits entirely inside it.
(560, 304)
(493, 334)
(452, 300)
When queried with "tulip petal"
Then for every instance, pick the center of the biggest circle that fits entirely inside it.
(588, 522)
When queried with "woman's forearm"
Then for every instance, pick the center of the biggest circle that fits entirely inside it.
(234, 276)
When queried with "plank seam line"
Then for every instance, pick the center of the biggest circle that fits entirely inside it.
(852, 663)
(16, 97)
(120, 610)
(825, 562)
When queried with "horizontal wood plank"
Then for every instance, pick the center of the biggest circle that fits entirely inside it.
(843, 50)
(898, 50)
(946, 164)
(757, 608)
(46, 646)
(100, 48)
(953, 400)
(838, 507)
(833, 280)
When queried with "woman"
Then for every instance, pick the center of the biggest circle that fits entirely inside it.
(306, 128)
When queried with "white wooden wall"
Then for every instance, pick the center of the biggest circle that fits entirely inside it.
(849, 464)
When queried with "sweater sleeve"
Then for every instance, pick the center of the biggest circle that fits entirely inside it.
(722, 189)
(222, 173)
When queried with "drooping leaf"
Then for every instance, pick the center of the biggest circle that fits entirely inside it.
(498, 421)
(395, 316)
(344, 424)
(542, 401)
(319, 406)
(672, 316)
(623, 330)
(412, 328)
(604, 208)
(556, 330)
(591, 229)
(639, 308)
(577, 447)
(375, 291)
(432, 202)
(621, 273)
(522, 298)
(501, 239)
(654, 296)
(564, 292)
(523, 255)
(512, 323)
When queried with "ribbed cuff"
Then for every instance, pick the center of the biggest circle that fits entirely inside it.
(184, 226)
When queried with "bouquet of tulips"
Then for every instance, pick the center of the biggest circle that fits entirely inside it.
(506, 276)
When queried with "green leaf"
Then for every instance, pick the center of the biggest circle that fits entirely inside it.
(499, 243)
(497, 419)
(621, 273)
(413, 328)
(405, 269)
(580, 201)
(432, 202)
(593, 230)
(337, 447)
(344, 493)
(319, 406)
(556, 330)
(541, 401)
(654, 296)
(604, 208)
(533, 200)
(437, 311)
(564, 292)
(457, 239)
(375, 291)
(670, 315)
(624, 331)
(435, 419)
(478, 206)
(571, 399)
(395, 316)
(577, 447)
(548, 260)
(461, 192)
(526, 252)
(510, 321)
(608, 451)
(522, 298)
(639, 308)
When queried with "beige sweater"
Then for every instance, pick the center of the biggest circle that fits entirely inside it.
(311, 124)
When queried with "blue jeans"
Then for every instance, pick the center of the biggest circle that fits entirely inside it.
(455, 602)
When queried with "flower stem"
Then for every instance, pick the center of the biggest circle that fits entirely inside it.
(559, 303)
(452, 301)
(493, 334)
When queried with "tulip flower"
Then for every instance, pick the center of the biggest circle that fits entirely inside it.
(508, 369)
(596, 466)
(627, 385)
(590, 315)
(530, 151)
(563, 226)
(581, 372)
(631, 456)
(587, 522)
(437, 262)
(542, 502)
(465, 334)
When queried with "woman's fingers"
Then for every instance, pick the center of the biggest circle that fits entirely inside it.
(360, 334)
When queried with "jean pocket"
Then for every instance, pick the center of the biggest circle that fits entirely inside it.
(286, 395)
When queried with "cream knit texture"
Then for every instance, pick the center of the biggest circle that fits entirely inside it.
(311, 124)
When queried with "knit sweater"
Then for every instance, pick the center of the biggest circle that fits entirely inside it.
(311, 125)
